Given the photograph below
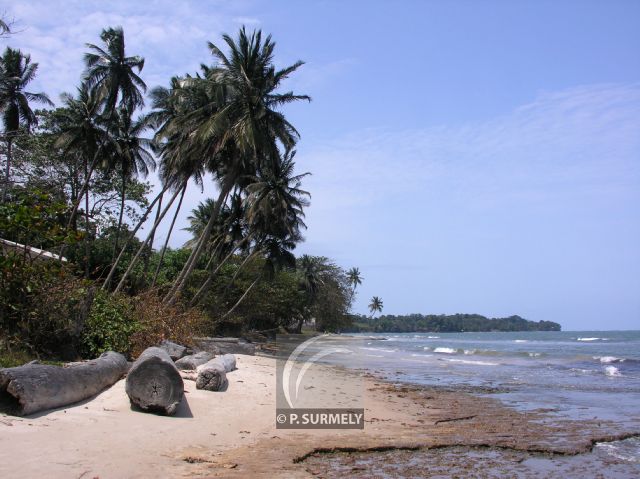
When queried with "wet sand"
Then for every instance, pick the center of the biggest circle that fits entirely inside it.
(233, 434)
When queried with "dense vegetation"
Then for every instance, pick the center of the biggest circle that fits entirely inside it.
(74, 185)
(455, 323)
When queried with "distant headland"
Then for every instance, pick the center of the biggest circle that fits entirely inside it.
(453, 323)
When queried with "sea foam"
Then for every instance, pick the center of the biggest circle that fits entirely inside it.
(612, 371)
(608, 359)
(445, 350)
(476, 363)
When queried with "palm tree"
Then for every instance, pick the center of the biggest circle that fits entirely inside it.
(275, 200)
(375, 306)
(82, 133)
(277, 256)
(16, 72)
(355, 279)
(240, 127)
(111, 73)
(130, 155)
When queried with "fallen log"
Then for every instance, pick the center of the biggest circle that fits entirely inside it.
(224, 346)
(175, 351)
(211, 376)
(194, 360)
(154, 383)
(37, 387)
(227, 361)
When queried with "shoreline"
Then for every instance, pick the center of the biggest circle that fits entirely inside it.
(233, 434)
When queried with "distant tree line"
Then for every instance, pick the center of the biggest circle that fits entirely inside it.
(454, 323)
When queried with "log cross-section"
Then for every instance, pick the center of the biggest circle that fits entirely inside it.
(154, 383)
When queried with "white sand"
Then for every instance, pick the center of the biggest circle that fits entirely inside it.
(105, 438)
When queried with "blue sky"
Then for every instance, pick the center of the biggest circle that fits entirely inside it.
(467, 156)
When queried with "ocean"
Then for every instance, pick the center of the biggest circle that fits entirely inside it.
(569, 374)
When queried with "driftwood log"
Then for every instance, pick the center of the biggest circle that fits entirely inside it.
(37, 387)
(194, 360)
(175, 351)
(224, 346)
(154, 383)
(212, 376)
(228, 362)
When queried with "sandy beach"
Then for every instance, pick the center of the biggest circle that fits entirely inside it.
(233, 434)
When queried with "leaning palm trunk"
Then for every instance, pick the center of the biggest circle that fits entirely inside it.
(146, 241)
(122, 200)
(153, 237)
(7, 171)
(190, 265)
(133, 233)
(255, 281)
(166, 241)
(87, 247)
(205, 286)
(83, 190)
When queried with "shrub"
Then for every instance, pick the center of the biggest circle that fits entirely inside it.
(110, 325)
(158, 321)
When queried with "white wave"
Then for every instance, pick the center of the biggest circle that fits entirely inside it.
(612, 371)
(374, 356)
(593, 339)
(445, 350)
(464, 361)
(427, 348)
(422, 355)
(379, 350)
(521, 341)
(433, 337)
(608, 359)
(469, 351)
(534, 355)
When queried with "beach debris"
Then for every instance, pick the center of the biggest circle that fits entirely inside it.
(212, 376)
(175, 351)
(37, 387)
(224, 346)
(194, 360)
(154, 383)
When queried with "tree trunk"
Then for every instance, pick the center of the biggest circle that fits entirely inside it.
(212, 376)
(154, 383)
(166, 241)
(145, 243)
(147, 256)
(241, 298)
(194, 360)
(85, 188)
(205, 286)
(7, 169)
(36, 387)
(124, 190)
(227, 361)
(190, 265)
(174, 350)
(87, 249)
(133, 233)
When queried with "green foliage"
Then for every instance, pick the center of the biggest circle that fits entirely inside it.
(110, 325)
(447, 324)
(27, 280)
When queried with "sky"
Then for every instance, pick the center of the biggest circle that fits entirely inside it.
(468, 156)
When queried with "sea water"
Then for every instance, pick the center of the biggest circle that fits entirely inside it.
(571, 374)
